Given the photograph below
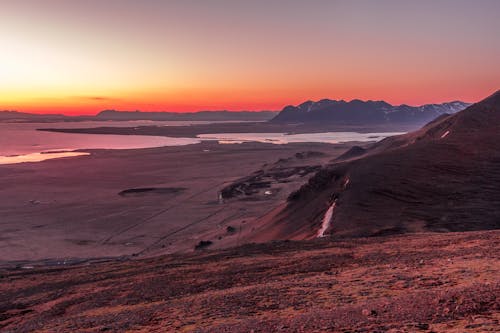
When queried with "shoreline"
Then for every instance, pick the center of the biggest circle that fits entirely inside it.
(194, 137)
(191, 131)
(203, 141)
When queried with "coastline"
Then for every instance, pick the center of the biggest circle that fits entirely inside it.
(192, 131)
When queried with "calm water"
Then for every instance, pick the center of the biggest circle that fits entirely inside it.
(21, 142)
(282, 138)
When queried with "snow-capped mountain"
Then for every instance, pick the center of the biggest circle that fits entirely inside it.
(364, 112)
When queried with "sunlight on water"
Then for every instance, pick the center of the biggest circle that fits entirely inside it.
(283, 138)
(23, 143)
(37, 157)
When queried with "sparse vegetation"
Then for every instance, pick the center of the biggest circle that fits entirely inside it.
(203, 244)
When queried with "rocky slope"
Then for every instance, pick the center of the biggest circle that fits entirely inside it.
(444, 177)
(411, 283)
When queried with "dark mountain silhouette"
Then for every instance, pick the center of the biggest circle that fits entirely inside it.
(443, 177)
(22, 116)
(358, 112)
(200, 115)
(14, 116)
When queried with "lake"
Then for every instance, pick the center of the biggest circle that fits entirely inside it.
(283, 138)
(21, 142)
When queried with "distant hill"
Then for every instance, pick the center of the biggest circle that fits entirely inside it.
(357, 112)
(14, 116)
(201, 115)
(443, 177)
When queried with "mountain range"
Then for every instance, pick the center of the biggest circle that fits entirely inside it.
(200, 115)
(324, 112)
(358, 112)
(443, 177)
(14, 116)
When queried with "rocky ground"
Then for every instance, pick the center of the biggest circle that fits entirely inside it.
(432, 282)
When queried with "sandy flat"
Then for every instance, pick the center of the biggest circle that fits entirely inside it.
(75, 207)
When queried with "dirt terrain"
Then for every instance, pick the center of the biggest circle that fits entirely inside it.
(147, 201)
(412, 283)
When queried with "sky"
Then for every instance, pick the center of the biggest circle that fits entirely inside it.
(80, 57)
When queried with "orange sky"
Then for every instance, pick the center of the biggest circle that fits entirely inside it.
(81, 57)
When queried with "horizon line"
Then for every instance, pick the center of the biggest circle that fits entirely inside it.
(227, 110)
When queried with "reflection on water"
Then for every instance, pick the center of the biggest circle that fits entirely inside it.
(38, 157)
(21, 142)
(283, 138)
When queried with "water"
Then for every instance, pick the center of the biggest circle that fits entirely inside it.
(21, 142)
(38, 157)
(283, 138)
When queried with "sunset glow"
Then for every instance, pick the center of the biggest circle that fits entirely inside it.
(80, 57)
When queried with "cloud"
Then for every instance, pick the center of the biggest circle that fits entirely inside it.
(98, 98)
